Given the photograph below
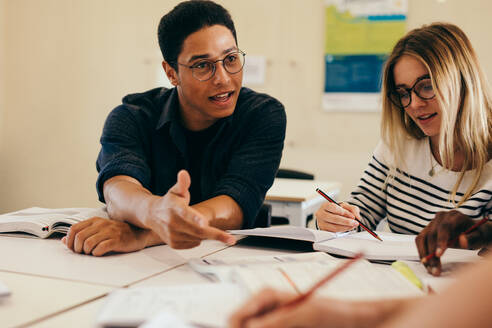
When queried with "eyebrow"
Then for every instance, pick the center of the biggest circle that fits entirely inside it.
(206, 56)
(425, 76)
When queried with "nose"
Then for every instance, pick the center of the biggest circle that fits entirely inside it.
(221, 76)
(416, 101)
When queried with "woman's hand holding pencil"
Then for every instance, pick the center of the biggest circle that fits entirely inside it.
(337, 217)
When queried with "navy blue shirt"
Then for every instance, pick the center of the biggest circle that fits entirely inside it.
(144, 138)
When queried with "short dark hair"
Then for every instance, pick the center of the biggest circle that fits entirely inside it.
(185, 19)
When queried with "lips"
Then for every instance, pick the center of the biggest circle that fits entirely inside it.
(426, 116)
(222, 97)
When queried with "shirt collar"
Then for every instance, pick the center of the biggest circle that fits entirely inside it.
(170, 109)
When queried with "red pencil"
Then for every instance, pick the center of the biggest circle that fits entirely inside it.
(322, 193)
(323, 281)
(470, 229)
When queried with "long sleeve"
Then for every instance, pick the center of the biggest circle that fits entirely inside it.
(370, 195)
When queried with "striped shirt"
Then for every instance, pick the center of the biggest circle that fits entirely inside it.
(412, 197)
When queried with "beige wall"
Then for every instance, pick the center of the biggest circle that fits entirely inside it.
(3, 43)
(68, 63)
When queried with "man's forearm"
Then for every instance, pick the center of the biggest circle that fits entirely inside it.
(127, 200)
(222, 212)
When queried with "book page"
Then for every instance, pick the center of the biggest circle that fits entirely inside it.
(220, 269)
(42, 222)
(296, 273)
(393, 247)
(289, 232)
(207, 304)
(362, 280)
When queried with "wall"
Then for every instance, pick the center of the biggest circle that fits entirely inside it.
(3, 43)
(68, 63)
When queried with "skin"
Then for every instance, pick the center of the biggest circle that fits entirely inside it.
(267, 310)
(170, 219)
(465, 304)
(446, 225)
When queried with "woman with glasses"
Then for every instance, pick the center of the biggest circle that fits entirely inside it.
(431, 174)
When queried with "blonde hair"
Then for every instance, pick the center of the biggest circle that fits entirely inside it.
(462, 92)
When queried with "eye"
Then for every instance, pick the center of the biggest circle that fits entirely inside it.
(203, 65)
(402, 93)
(231, 58)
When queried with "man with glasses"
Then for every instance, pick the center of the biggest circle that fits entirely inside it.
(181, 165)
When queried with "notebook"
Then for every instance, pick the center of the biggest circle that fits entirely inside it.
(296, 273)
(43, 222)
(194, 304)
(290, 232)
(393, 247)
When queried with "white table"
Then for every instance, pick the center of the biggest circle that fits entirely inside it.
(36, 298)
(297, 199)
(50, 258)
(85, 315)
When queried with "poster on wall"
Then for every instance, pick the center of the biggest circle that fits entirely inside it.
(359, 35)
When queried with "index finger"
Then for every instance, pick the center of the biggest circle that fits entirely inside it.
(210, 232)
(72, 232)
(198, 226)
(338, 209)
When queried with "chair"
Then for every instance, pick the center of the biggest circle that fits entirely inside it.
(290, 174)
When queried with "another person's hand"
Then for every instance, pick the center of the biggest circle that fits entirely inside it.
(265, 310)
(179, 225)
(443, 230)
(98, 236)
(332, 217)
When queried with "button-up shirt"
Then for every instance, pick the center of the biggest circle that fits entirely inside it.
(144, 138)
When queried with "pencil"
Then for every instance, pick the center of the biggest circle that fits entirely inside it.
(467, 231)
(324, 280)
(328, 198)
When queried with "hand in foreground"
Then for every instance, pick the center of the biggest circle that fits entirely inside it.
(265, 310)
(445, 228)
(98, 236)
(332, 217)
(179, 225)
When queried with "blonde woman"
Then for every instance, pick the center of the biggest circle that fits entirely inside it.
(431, 174)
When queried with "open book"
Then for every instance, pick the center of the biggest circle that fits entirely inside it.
(202, 305)
(290, 232)
(42, 222)
(393, 247)
(296, 273)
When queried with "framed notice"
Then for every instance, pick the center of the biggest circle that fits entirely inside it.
(359, 35)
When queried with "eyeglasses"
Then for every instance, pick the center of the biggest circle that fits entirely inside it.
(204, 70)
(402, 97)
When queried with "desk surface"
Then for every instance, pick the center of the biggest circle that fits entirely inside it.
(50, 258)
(295, 190)
(34, 298)
(43, 302)
(85, 315)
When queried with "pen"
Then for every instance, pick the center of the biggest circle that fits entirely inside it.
(473, 227)
(328, 198)
(323, 281)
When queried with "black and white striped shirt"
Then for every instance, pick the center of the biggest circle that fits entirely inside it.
(412, 197)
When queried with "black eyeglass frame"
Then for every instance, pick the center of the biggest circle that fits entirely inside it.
(214, 65)
(409, 90)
